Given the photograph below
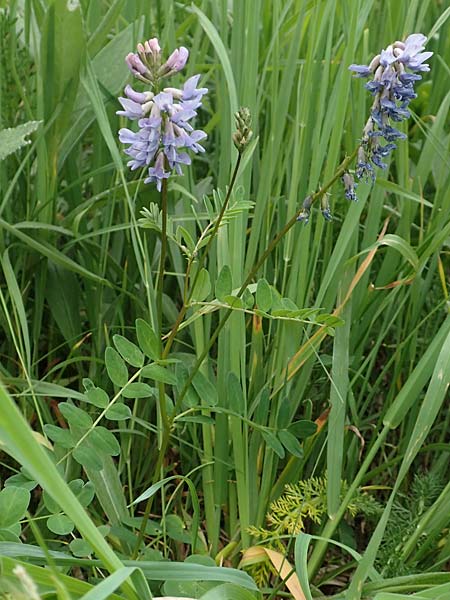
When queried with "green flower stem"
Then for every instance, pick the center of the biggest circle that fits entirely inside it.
(162, 261)
(201, 260)
(166, 433)
(164, 421)
(275, 241)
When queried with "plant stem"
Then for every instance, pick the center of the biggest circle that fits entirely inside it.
(164, 421)
(162, 259)
(166, 433)
(201, 260)
(275, 241)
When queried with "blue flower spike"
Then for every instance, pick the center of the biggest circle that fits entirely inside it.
(163, 114)
(395, 71)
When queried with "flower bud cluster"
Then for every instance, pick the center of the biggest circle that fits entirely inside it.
(243, 133)
(163, 115)
(146, 65)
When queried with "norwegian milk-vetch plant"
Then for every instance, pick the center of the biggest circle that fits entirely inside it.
(200, 389)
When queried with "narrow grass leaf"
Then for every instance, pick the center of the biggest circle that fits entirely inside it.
(105, 588)
(52, 253)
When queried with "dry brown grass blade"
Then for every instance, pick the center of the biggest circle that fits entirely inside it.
(282, 566)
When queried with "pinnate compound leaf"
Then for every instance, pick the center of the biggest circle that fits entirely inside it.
(116, 367)
(129, 351)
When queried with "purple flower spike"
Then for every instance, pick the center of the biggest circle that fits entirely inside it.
(392, 87)
(162, 116)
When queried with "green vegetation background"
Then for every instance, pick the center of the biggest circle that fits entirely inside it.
(78, 267)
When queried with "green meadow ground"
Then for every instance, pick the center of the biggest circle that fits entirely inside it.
(292, 438)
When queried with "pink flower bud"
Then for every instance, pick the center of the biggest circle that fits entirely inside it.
(177, 59)
(136, 65)
(154, 46)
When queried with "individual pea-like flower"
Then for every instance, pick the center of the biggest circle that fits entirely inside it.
(349, 186)
(325, 208)
(395, 71)
(157, 173)
(163, 114)
(306, 210)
